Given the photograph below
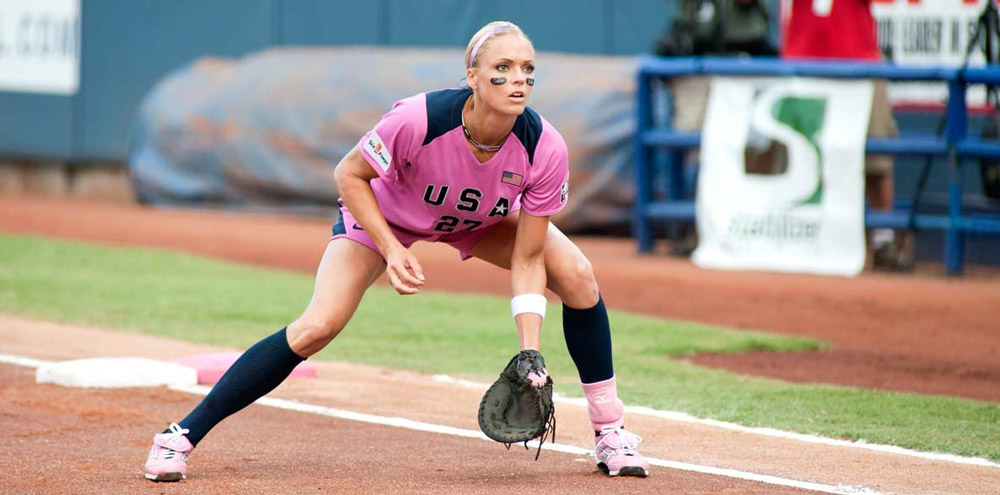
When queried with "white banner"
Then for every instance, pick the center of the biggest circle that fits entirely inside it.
(807, 213)
(40, 46)
(934, 33)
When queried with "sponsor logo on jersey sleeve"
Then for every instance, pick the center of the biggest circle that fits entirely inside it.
(377, 150)
(564, 195)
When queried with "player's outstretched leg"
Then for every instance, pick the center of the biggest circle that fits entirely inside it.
(346, 271)
(258, 371)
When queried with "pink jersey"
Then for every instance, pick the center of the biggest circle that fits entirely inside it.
(430, 184)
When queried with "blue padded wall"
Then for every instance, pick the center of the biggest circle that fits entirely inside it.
(635, 24)
(434, 22)
(129, 46)
(580, 27)
(36, 125)
(322, 22)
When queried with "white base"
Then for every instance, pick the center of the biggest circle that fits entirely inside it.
(116, 373)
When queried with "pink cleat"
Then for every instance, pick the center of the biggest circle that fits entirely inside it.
(168, 457)
(616, 455)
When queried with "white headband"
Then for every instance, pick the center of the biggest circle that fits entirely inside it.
(479, 44)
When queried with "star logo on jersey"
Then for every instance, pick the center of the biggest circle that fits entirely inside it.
(512, 179)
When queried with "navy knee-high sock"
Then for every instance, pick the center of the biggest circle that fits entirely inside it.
(588, 338)
(260, 369)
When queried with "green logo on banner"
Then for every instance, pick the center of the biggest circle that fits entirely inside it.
(805, 116)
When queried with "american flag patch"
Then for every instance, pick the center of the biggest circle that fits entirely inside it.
(512, 179)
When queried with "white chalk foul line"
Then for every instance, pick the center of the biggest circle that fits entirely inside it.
(410, 424)
(769, 432)
(23, 361)
(556, 447)
(677, 416)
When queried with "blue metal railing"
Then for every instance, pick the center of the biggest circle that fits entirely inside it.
(954, 145)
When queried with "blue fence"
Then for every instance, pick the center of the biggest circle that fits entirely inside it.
(956, 144)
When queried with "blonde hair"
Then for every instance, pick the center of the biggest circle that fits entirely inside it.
(482, 37)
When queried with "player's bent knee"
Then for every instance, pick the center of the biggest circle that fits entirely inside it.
(307, 336)
(577, 284)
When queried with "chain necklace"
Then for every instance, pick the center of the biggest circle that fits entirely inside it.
(477, 144)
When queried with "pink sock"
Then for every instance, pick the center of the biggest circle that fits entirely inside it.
(603, 405)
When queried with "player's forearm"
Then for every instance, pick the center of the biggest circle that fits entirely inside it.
(527, 261)
(357, 194)
(527, 276)
(529, 331)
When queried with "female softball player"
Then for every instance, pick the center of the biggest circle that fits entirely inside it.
(474, 168)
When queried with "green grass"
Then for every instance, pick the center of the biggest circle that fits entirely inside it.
(214, 302)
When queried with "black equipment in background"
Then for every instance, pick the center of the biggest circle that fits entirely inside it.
(987, 38)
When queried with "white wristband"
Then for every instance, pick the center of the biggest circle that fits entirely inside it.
(528, 303)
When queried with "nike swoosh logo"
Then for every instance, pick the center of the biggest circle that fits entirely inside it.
(357, 227)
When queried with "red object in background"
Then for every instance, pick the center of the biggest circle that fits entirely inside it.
(841, 29)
